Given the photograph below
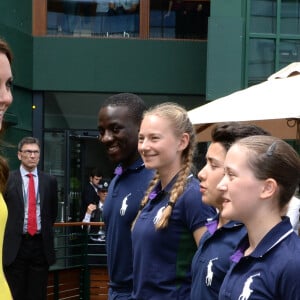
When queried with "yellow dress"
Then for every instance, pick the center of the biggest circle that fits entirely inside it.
(4, 288)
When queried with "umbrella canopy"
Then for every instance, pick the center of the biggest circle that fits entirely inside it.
(273, 104)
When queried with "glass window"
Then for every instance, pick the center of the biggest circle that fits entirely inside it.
(290, 17)
(289, 51)
(263, 16)
(115, 18)
(180, 19)
(274, 40)
(261, 59)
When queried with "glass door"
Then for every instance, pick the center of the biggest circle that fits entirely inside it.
(70, 155)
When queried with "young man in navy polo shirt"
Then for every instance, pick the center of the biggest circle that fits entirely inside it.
(119, 120)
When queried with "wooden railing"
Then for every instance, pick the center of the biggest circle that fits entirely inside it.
(73, 276)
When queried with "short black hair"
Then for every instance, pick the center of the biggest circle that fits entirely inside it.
(96, 172)
(229, 132)
(136, 105)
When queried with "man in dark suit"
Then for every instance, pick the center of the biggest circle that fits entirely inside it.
(28, 250)
(90, 191)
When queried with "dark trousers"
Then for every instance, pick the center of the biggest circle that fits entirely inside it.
(27, 276)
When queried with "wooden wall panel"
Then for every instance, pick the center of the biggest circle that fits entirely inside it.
(39, 17)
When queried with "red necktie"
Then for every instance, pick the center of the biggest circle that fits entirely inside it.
(31, 225)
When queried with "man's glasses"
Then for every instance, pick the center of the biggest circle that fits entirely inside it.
(30, 152)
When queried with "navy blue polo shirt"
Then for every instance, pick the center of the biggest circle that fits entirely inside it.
(121, 206)
(162, 258)
(271, 271)
(212, 259)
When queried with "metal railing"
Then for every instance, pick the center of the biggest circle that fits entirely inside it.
(80, 269)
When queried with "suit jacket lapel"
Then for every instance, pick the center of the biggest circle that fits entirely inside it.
(20, 189)
(41, 189)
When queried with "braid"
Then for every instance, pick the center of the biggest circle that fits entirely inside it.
(178, 188)
(145, 199)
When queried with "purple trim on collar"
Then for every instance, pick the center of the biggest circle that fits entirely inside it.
(212, 226)
(239, 253)
(155, 191)
(152, 195)
(236, 256)
(118, 170)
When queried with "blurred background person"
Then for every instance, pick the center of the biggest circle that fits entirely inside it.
(125, 6)
(90, 191)
(94, 213)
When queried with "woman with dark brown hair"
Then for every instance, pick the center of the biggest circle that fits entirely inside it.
(5, 100)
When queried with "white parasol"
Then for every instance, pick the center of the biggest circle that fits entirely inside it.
(273, 104)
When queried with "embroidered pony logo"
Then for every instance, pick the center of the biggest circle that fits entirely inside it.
(124, 205)
(247, 291)
(158, 215)
(210, 273)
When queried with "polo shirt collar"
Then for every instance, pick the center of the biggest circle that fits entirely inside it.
(277, 234)
(137, 165)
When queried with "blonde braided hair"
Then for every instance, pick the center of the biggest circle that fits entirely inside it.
(178, 116)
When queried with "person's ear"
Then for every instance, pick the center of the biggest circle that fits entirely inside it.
(269, 188)
(19, 155)
(184, 141)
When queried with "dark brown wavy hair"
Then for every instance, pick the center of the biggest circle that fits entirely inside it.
(4, 170)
